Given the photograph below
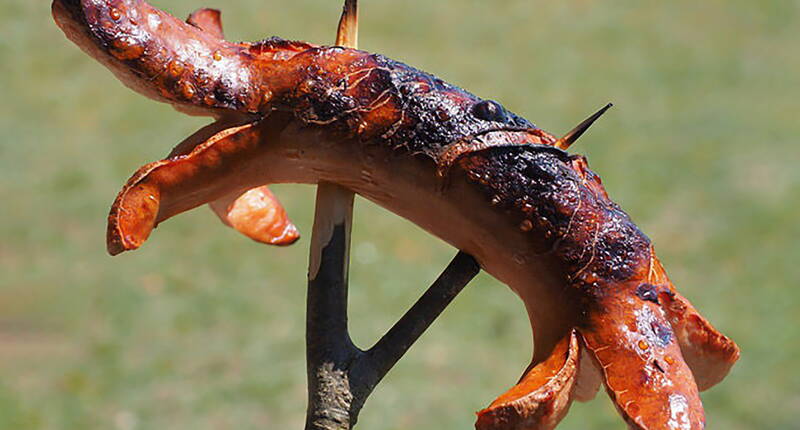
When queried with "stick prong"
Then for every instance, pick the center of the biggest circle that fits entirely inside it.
(347, 35)
(570, 138)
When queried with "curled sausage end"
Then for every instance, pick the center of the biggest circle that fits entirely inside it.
(134, 213)
(709, 353)
(257, 214)
(542, 397)
(208, 20)
(184, 181)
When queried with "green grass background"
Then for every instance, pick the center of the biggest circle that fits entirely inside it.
(203, 329)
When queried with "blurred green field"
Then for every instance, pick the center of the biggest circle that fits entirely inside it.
(203, 329)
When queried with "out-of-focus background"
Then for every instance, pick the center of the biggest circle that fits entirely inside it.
(203, 329)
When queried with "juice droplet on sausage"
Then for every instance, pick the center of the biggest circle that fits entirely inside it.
(175, 68)
(187, 89)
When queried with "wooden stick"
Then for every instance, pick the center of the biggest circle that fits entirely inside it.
(341, 376)
(329, 348)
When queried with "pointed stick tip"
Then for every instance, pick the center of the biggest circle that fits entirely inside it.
(571, 137)
(347, 34)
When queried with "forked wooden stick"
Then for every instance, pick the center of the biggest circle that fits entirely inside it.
(340, 375)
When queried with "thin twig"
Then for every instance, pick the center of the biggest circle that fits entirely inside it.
(377, 362)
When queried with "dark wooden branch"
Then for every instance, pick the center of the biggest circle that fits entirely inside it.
(329, 349)
(330, 261)
(341, 376)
